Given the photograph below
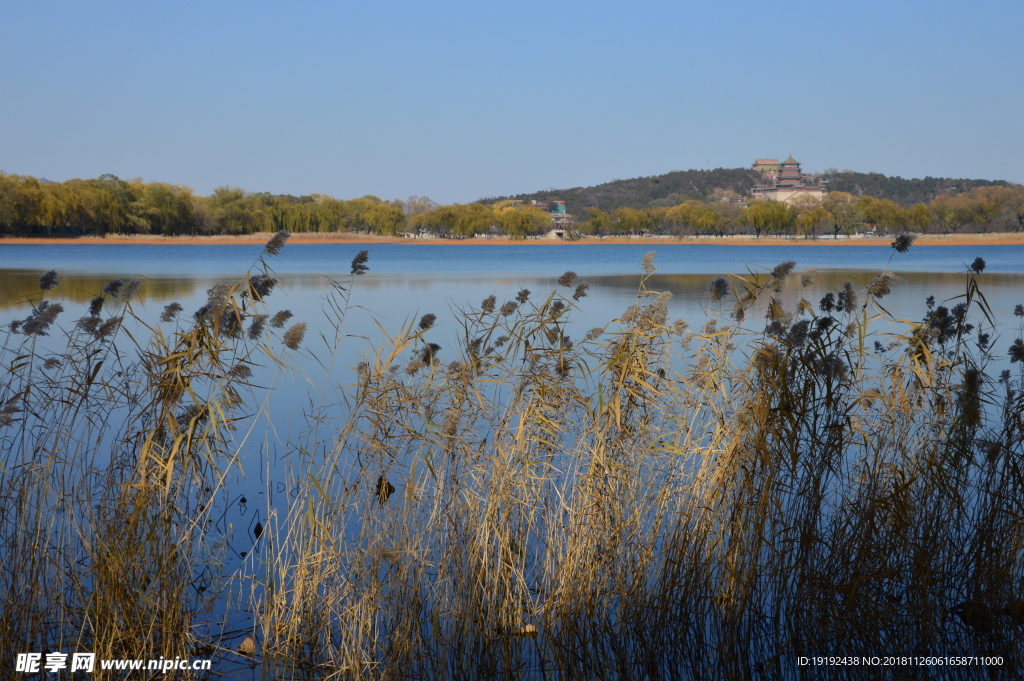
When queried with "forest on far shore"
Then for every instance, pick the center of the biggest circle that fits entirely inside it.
(718, 206)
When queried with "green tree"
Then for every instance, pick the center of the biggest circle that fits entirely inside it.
(695, 215)
(168, 208)
(951, 211)
(883, 212)
(775, 217)
(597, 222)
(375, 216)
(631, 220)
(457, 219)
(847, 216)
(730, 217)
(1017, 207)
(988, 203)
(519, 221)
(757, 216)
(919, 217)
(811, 219)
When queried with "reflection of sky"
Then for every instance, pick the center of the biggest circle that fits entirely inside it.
(406, 281)
(509, 260)
(395, 298)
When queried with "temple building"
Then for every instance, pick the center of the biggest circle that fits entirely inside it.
(785, 182)
(768, 167)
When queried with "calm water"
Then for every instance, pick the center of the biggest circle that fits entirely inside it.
(512, 260)
(409, 280)
(406, 281)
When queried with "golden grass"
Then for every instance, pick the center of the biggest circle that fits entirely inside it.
(653, 501)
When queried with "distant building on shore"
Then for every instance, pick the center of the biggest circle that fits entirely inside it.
(786, 183)
(556, 208)
(558, 214)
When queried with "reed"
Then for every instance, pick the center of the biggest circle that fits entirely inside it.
(653, 500)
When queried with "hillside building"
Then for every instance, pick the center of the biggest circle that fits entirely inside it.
(768, 167)
(786, 183)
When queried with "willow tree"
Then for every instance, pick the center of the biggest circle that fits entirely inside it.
(773, 217)
(519, 221)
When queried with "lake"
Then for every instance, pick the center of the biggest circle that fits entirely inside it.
(406, 281)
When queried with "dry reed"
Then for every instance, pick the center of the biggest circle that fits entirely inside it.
(648, 502)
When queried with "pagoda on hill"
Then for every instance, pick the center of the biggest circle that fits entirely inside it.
(768, 167)
(785, 182)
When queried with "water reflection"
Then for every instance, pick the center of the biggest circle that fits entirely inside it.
(17, 287)
(392, 298)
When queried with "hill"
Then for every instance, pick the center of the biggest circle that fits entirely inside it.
(647, 192)
(903, 192)
(681, 185)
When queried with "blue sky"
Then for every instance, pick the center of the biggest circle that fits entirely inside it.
(459, 100)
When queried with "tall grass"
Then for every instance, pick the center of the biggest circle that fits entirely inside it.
(650, 501)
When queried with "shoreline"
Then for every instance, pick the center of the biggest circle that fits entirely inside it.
(993, 239)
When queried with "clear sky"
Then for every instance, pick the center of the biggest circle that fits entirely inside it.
(460, 100)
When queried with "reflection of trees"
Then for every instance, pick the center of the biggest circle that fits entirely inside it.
(17, 286)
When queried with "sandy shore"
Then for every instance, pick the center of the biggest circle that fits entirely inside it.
(999, 239)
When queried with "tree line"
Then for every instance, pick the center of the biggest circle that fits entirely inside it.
(985, 208)
(905, 192)
(110, 205)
